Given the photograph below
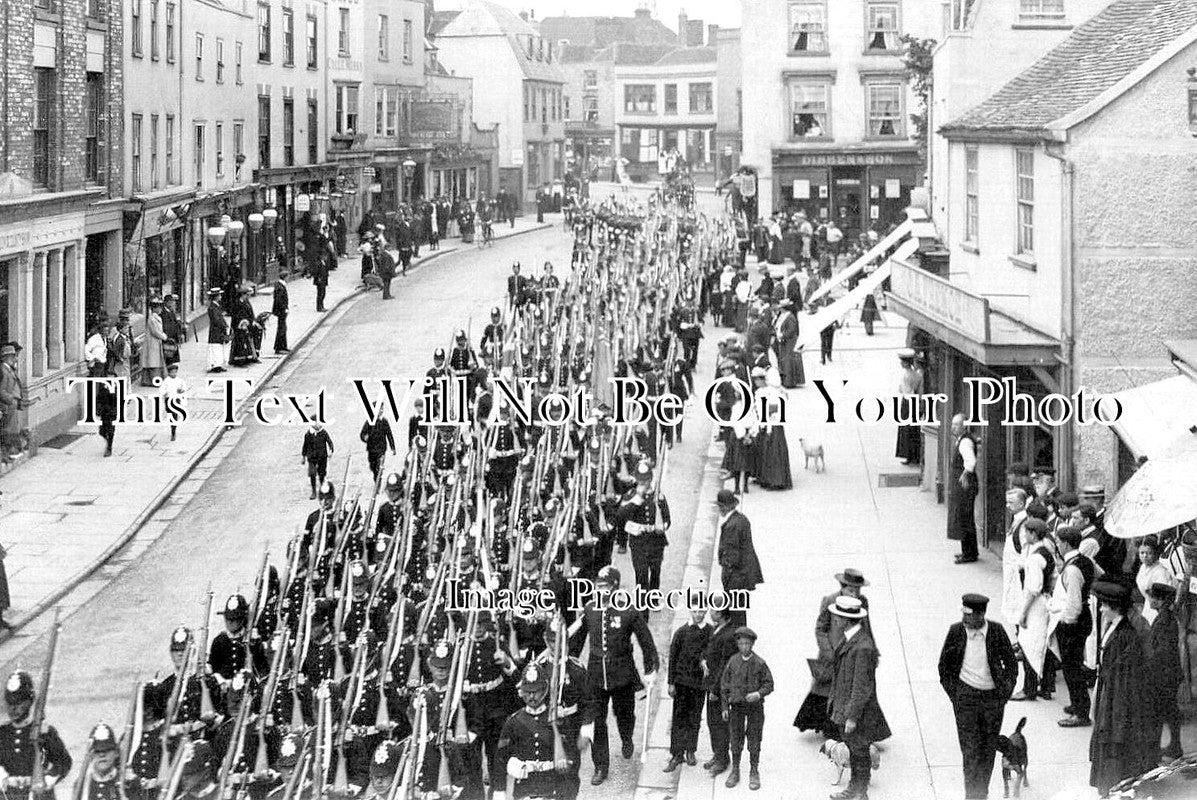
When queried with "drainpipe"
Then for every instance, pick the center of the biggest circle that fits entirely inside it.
(1068, 279)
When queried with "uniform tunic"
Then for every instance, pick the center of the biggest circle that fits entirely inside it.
(16, 755)
(529, 737)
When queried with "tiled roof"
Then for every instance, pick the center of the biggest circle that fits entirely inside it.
(640, 54)
(577, 54)
(604, 31)
(688, 55)
(1097, 55)
(440, 19)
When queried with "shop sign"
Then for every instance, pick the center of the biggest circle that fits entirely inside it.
(517, 156)
(845, 159)
(367, 174)
(376, 188)
(303, 202)
(941, 300)
(432, 121)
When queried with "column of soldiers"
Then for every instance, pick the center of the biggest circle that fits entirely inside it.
(345, 672)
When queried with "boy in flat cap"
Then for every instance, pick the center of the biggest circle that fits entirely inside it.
(978, 670)
(745, 683)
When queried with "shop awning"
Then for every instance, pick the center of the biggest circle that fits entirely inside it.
(1155, 415)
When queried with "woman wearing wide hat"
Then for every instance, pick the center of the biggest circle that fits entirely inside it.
(153, 360)
(241, 312)
(813, 715)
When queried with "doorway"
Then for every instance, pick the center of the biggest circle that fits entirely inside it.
(847, 204)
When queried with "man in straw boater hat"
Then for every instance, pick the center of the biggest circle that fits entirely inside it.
(218, 332)
(854, 708)
(978, 670)
(812, 715)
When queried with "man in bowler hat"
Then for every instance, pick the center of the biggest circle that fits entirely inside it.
(978, 670)
(741, 569)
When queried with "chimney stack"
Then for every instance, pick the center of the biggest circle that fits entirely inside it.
(712, 35)
(683, 28)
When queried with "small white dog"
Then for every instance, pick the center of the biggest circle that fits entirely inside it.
(811, 452)
(837, 754)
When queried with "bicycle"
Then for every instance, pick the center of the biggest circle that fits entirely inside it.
(488, 235)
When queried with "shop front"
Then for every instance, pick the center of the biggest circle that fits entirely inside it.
(588, 150)
(291, 192)
(960, 337)
(860, 189)
(401, 175)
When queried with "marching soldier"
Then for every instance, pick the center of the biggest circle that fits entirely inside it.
(192, 708)
(489, 695)
(388, 518)
(383, 768)
(233, 647)
(198, 780)
(527, 743)
(145, 754)
(464, 768)
(235, 743)
(432, 384)
(504, 457)
(462, 361)
(608, 635)
(360, 616)
(517, 287)
(101, 777)
(575, 716)
(491, 345)
(645, 518)
(291, 749)
(320, 662)
(17, 744)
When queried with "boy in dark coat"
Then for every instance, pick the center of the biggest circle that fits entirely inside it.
(685, 687)
(746, 681)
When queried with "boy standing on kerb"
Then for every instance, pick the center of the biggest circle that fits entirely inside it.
(746, 681)
(685, 687)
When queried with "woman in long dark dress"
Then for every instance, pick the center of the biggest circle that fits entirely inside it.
(909, 447)
(1163, 669)
(869, 313)
(773, 451)
(242, 315)
(739, 458)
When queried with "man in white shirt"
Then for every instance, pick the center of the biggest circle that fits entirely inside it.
(1075, 623)
(962, 492)
(977, 669)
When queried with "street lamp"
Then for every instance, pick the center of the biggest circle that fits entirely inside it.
(270, 217)
(256, 220)
(409, 174)
(236, 231)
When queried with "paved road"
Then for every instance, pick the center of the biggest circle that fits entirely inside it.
(258, 494)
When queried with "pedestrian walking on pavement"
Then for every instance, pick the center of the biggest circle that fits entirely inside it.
(978, 670)
(152, 357)
(172, 328)
(319, 269)
(740, 569)
(854, 708)
(317, 447)
(377, 437)
(385, 264)
(745, 683)
(686, 688)
(813, 714)
(962, 492)
(106, 408)
(172, 386)
(280, 308)
(721, 646)
(5, 599)
(218, 332)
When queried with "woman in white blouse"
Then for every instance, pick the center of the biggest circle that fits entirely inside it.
(1151, 569)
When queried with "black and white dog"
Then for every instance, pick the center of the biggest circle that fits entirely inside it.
(1014, 759)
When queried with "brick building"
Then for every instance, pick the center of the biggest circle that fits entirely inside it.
(61, 220)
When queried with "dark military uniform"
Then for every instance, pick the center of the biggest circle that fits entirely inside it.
(227, 655)
(489, 698)
(612, 670)
(465, 769)
(645, 521)
(504, 460)
(574, 709)
(529, 738)
(16, 755)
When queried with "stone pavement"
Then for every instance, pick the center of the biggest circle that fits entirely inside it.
(67, 511)
(846, 517)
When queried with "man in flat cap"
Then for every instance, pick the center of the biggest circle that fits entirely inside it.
(978, 670)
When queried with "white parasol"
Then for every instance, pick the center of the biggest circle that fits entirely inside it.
(1160, 495)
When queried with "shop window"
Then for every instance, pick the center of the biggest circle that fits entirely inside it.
(640, 98)
(671, 98)
(1024, 166)
(885, 111)
(808, 26)
(701, 98)
(1041, 10)
(809, 111)
(972, 199)
(590, 108)
(883, 25)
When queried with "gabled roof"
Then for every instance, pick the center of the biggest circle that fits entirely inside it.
(484, 19)
(1100, 54)
(577, 53)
